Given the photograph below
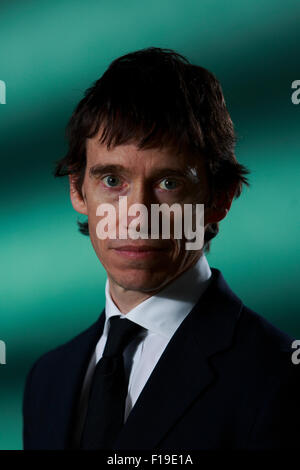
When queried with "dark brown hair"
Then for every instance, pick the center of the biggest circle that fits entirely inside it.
(155, 98)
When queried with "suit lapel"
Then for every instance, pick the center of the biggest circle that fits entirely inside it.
(183, 371)
(172, 386)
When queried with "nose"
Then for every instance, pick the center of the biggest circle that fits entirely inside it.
(139, 200)
(141, 193)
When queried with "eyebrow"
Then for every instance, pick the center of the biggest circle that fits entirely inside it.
(99, 170)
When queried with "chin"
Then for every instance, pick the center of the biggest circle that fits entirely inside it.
(140, 280)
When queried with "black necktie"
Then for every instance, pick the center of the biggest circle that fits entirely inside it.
(105, 414)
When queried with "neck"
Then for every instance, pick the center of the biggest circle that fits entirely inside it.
(126, 299)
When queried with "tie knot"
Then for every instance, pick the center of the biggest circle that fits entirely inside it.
(121, 332)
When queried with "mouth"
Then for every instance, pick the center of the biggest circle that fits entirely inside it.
(140, 251)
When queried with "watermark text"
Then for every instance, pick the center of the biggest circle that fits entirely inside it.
(2, 352)
(164, 221)
(2, 92)
(295, 97)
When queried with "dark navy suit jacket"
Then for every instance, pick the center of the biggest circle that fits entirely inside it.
(225, 381)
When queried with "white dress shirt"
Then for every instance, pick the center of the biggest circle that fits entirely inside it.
(160, 315)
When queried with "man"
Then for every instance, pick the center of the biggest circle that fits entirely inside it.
(175, 361)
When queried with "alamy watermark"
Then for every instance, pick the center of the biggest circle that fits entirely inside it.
(2, 352)
(295, 97)
(177, 222)
(2, 92)
(296, 354)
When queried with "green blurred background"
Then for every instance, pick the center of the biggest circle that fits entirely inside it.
(50, 52)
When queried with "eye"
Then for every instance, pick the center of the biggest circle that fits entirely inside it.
(111, 181)
(168, 184)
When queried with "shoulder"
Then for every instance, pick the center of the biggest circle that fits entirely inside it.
(273, 381)
(67, 353)
(263, 361)
(255, 345)
(257, 330)
(252, 328)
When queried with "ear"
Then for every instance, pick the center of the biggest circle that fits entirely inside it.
(220, 208)
(78, 201)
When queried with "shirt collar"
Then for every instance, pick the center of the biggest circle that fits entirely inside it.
(163, 313)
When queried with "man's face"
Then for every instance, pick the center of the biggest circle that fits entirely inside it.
(152, 176)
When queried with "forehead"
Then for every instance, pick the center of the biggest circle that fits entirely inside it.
(135, 159)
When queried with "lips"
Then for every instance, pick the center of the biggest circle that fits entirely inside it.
(141, 248)
(141, 251)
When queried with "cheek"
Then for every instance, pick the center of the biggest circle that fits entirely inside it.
(98, 193)
(99, 244)
(101, 249)
(93, 220)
